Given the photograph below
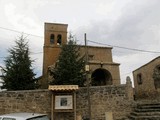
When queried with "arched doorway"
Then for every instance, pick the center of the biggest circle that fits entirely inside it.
(156, 76)
(101, 77)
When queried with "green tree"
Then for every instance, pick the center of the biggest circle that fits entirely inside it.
(69, 69)
(18, 72)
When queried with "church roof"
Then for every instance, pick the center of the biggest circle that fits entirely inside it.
(100, 47)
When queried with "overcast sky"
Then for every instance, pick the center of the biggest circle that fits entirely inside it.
(134, 24)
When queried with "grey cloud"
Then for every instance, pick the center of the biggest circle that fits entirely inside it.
(135, 28)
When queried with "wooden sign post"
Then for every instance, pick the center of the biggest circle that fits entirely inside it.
(63, 99)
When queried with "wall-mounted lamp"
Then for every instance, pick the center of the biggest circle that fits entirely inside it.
(87, 68)
(101, 64)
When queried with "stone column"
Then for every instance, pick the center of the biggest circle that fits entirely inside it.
(129, 89)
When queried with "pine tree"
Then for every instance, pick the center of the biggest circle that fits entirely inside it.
(69, 69)
(18, 67)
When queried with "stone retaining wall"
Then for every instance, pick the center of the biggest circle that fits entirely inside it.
(25, 101)
(117, 100)
(104, 99)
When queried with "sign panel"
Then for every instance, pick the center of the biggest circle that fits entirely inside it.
(64, 102)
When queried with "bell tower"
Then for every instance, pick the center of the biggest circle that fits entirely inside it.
(55, 35)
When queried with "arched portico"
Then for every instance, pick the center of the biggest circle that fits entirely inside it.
(101, 77)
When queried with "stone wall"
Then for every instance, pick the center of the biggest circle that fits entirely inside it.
(25, 101)
(104, 99)
(117, 100)
(144, 82)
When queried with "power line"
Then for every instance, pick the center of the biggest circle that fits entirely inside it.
(20, 32)
(126, 73)
(32, 53)
(133, 49)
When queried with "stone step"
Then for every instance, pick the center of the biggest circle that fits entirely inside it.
(147, 110)
(146, 113)
(149, 106)
(149, 103)
(132, 117)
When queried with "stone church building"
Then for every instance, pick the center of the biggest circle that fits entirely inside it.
(102, 67)
(145, 86)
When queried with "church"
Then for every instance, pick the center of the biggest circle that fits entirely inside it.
(110, 100)
(102, 67)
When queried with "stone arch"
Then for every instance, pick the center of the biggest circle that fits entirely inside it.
(59, 39)
(101, 77)
(156, 76)
(52, 38)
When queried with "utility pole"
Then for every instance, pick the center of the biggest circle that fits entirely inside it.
(87, 76)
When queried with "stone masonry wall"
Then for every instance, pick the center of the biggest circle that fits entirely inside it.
(146, 89)
(25, 101)
(115, 99)
(104, 99)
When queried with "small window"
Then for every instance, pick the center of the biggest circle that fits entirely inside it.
(139, 79)
(90, 57)
(52, 39)
(59, 39)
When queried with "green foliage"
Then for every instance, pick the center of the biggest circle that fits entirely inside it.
(18, 73)
(69, 69)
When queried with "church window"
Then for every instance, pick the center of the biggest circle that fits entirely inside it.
(90, 57)
(52, 39)
(59, 39)
(139, 78)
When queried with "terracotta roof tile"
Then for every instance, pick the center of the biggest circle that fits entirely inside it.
(63, 87)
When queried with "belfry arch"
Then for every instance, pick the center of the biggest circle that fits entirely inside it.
(101, 77)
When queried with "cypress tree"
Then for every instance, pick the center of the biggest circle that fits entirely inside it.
(69, 69)
(18, 67)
